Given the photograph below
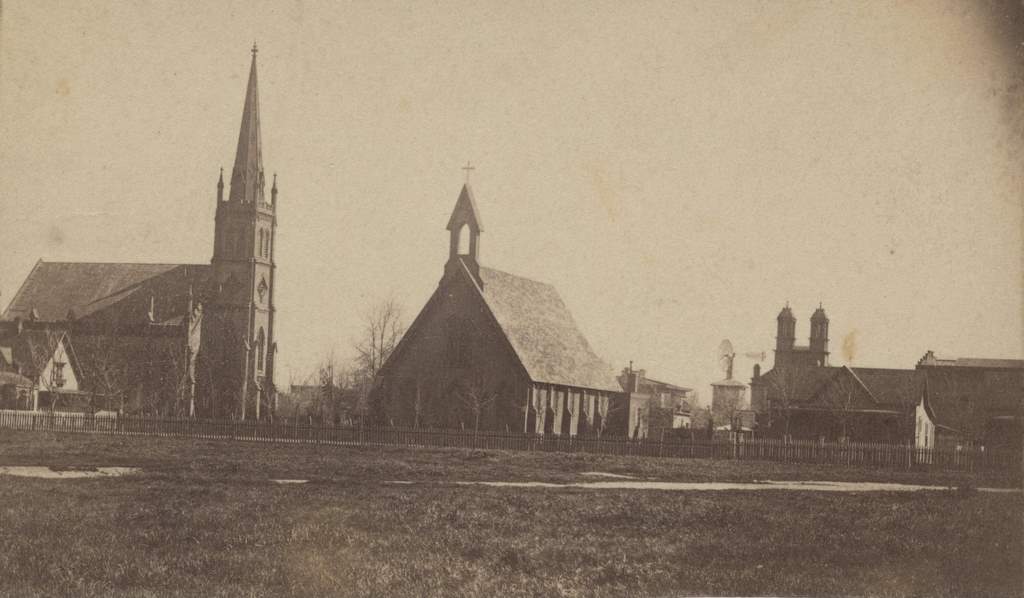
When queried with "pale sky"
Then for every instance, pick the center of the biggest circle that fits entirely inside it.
(678, 170)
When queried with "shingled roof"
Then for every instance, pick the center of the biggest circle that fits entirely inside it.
(56, 290)
(542, 332)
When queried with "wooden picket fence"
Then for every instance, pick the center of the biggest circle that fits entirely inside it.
(870, 454)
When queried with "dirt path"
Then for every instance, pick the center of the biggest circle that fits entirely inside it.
(805, 486)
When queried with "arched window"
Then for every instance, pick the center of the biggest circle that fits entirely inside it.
(549, 417)
(261, 345)
(566, 428)
(463, 247)
(266, 248)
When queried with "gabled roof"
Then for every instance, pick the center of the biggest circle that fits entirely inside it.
(31, 350)
(542, 332)
(56, 289)
(890, 387)
(465, 211)
(657, 384)
(885, 388)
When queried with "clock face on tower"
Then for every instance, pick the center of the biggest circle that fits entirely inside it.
(261, 289)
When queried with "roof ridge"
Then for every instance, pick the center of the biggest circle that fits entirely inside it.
(41, 261)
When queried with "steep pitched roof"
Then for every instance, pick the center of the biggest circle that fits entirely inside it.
(55, 289)
(542, 332)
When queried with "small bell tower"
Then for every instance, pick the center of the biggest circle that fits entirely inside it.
(464, 228)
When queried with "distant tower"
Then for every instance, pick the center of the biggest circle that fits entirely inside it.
(238, 328)
(785, 336)
(819, 337)
(465, 227)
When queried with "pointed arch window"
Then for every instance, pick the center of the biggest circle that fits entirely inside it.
(463, 242)
(261, 345)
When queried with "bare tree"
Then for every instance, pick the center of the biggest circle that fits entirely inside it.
(477, 394)
(841, 397)
(104, 367)
(383, 327)
(786, 386)
(963, 392)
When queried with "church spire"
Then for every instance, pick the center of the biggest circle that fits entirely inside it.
(247, 175)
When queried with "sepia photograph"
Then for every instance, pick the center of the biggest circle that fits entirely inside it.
(512, 299)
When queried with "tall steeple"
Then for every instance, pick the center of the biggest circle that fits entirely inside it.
(247, 176)
(240, 307)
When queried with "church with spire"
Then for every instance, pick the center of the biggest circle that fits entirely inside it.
(495, 351)
(173, 339)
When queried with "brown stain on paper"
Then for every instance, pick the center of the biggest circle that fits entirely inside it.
(850, 346)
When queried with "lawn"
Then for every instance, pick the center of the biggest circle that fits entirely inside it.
(203, 519)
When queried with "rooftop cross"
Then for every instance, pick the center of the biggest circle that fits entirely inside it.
(468, 168)
(254, 50)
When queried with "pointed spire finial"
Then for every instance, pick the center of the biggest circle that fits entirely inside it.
(254, 49)
(469, 168)
(247, 174)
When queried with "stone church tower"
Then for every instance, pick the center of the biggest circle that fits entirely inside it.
(787, 352)
(238, 327)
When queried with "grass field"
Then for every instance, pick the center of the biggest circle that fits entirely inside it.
(203, 519)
